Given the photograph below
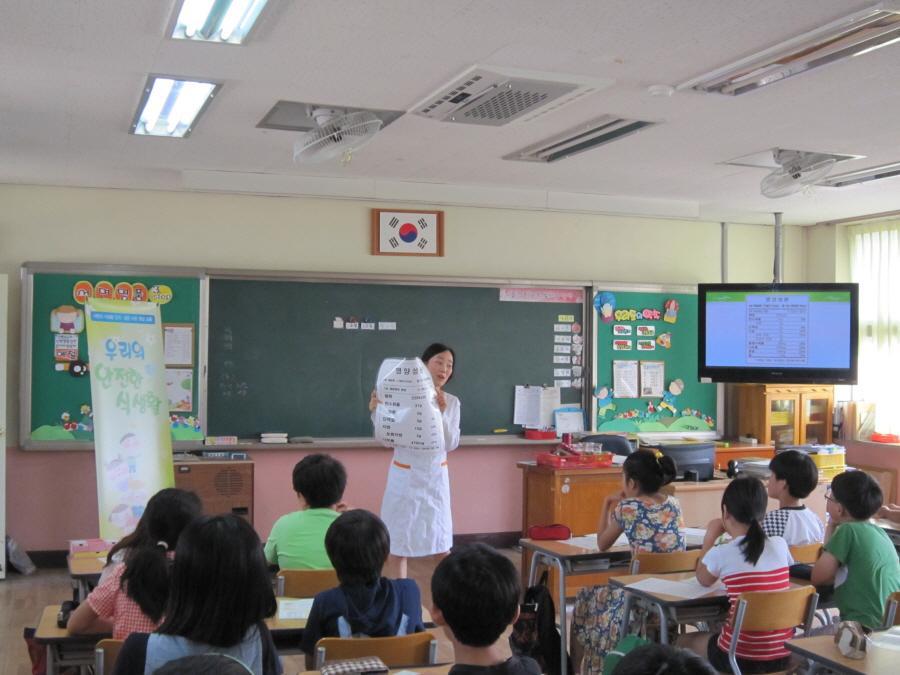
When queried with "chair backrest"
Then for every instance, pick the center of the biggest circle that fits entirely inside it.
(891, 615)
(415, 649)
(776, 610)
(618, 445)
(806, 554)
(105, 654)
(660, 563)
(305, 583)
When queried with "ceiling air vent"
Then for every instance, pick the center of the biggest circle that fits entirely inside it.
(496, 97)
(598, 131)
(862, 175)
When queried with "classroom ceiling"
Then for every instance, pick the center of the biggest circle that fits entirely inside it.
(73, 72)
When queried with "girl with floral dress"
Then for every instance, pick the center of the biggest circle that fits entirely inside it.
(650, 520)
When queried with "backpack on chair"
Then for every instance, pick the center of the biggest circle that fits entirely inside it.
(535, 633)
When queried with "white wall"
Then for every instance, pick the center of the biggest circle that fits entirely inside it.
(308, 234)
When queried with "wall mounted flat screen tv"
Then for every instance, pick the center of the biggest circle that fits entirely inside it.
(778, 333)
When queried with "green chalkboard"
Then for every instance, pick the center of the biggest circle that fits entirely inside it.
(59, 407)
(278, 363)
(636, 324)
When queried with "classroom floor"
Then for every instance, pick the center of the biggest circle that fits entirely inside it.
(23, 598)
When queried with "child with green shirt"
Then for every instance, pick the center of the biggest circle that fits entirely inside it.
(859, 558)
(297, 541)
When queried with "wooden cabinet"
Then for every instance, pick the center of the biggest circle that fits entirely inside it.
(785, 414)
(223, 486)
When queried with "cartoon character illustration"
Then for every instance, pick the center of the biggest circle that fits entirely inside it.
(604, 400)
(66, 319)
(670, 397)
(605, 303)
(87, 418)
(664, 340)
(651, 409)
(671, 307)
(68, 423)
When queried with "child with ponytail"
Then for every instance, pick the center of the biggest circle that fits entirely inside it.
(650, 520)
(749, 562)
(132, 594)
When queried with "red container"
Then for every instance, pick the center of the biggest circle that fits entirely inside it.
(597, 461)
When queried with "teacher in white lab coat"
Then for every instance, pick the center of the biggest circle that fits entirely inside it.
(416, 504)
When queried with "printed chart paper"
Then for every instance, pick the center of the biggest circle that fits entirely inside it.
(534, 406)
(408, 415)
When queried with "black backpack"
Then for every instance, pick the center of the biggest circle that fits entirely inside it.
(535, 633)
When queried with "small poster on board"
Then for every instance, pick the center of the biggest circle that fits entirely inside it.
(653, 379)
(625, 379)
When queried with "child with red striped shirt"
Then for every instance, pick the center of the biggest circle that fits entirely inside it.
(749, 562)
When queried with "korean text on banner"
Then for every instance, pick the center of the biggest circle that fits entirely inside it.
(407, 414)
(131, 420)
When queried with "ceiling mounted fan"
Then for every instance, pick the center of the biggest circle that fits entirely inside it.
(338, 134)
(797, 169)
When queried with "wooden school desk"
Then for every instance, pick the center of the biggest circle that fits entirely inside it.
(679, 609)
(63, 649)
(822, 651)
(85, 572)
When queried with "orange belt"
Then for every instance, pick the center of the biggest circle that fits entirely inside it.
(408, 466)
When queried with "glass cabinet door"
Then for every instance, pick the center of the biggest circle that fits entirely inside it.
(816, 419)
(783, 421)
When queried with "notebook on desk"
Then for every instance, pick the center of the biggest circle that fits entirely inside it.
(693, 536)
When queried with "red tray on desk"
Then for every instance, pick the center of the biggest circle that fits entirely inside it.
(597, 461)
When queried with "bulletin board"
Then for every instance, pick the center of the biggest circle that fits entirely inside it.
(645, 363)
(55, 391)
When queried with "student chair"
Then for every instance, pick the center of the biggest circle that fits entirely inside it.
(305, 583)
(105, 654)
(772, 610)
(415, 649)
(806, 554)
(891, 615)
(644, 562)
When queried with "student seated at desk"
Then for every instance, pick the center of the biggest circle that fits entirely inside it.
(650, 520)
(859, 557)
(751, 561)
(366, 604)
(794, 476)
(475, 598)
(220, 596)
(297, 540)
(132, 594)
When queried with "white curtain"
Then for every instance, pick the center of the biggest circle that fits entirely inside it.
(875, 265)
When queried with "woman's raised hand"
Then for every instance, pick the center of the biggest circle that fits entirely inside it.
(373, 401)
(441, 400)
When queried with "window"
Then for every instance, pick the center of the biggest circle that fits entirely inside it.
(875, 266)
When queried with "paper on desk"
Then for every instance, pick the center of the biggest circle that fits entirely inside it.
(590, 541)
(294, 608)
(690, 588)
(693, 536)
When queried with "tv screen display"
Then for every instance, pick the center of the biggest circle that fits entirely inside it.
(778, 333)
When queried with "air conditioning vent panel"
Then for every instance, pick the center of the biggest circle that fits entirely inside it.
(598, 131)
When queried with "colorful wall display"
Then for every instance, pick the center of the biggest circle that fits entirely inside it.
(640, 392)
(132, 443)
(59, 382)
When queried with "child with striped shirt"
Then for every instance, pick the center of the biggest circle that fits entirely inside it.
(749, 562)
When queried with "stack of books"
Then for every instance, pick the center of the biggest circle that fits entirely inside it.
(273, 437)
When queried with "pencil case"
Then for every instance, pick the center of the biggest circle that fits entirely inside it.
(554, 531)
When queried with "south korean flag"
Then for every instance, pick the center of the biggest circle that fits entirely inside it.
(408, 233)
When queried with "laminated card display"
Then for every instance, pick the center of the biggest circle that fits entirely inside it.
(407, 413)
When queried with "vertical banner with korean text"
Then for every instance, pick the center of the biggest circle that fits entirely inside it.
(133, 445)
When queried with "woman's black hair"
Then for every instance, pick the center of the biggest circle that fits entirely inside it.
(650, 469)
(220, 582)
(357, 543)
(746, 500)
(436, 348)
(146, 576)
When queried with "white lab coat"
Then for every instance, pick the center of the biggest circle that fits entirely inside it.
(416, 504)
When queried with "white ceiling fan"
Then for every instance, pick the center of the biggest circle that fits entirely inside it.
(338, 134)
(797, 169)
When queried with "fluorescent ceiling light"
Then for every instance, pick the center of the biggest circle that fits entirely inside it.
(170, 107)
(862, 175)
(599, 131)
(853, 35)
(226, 21)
